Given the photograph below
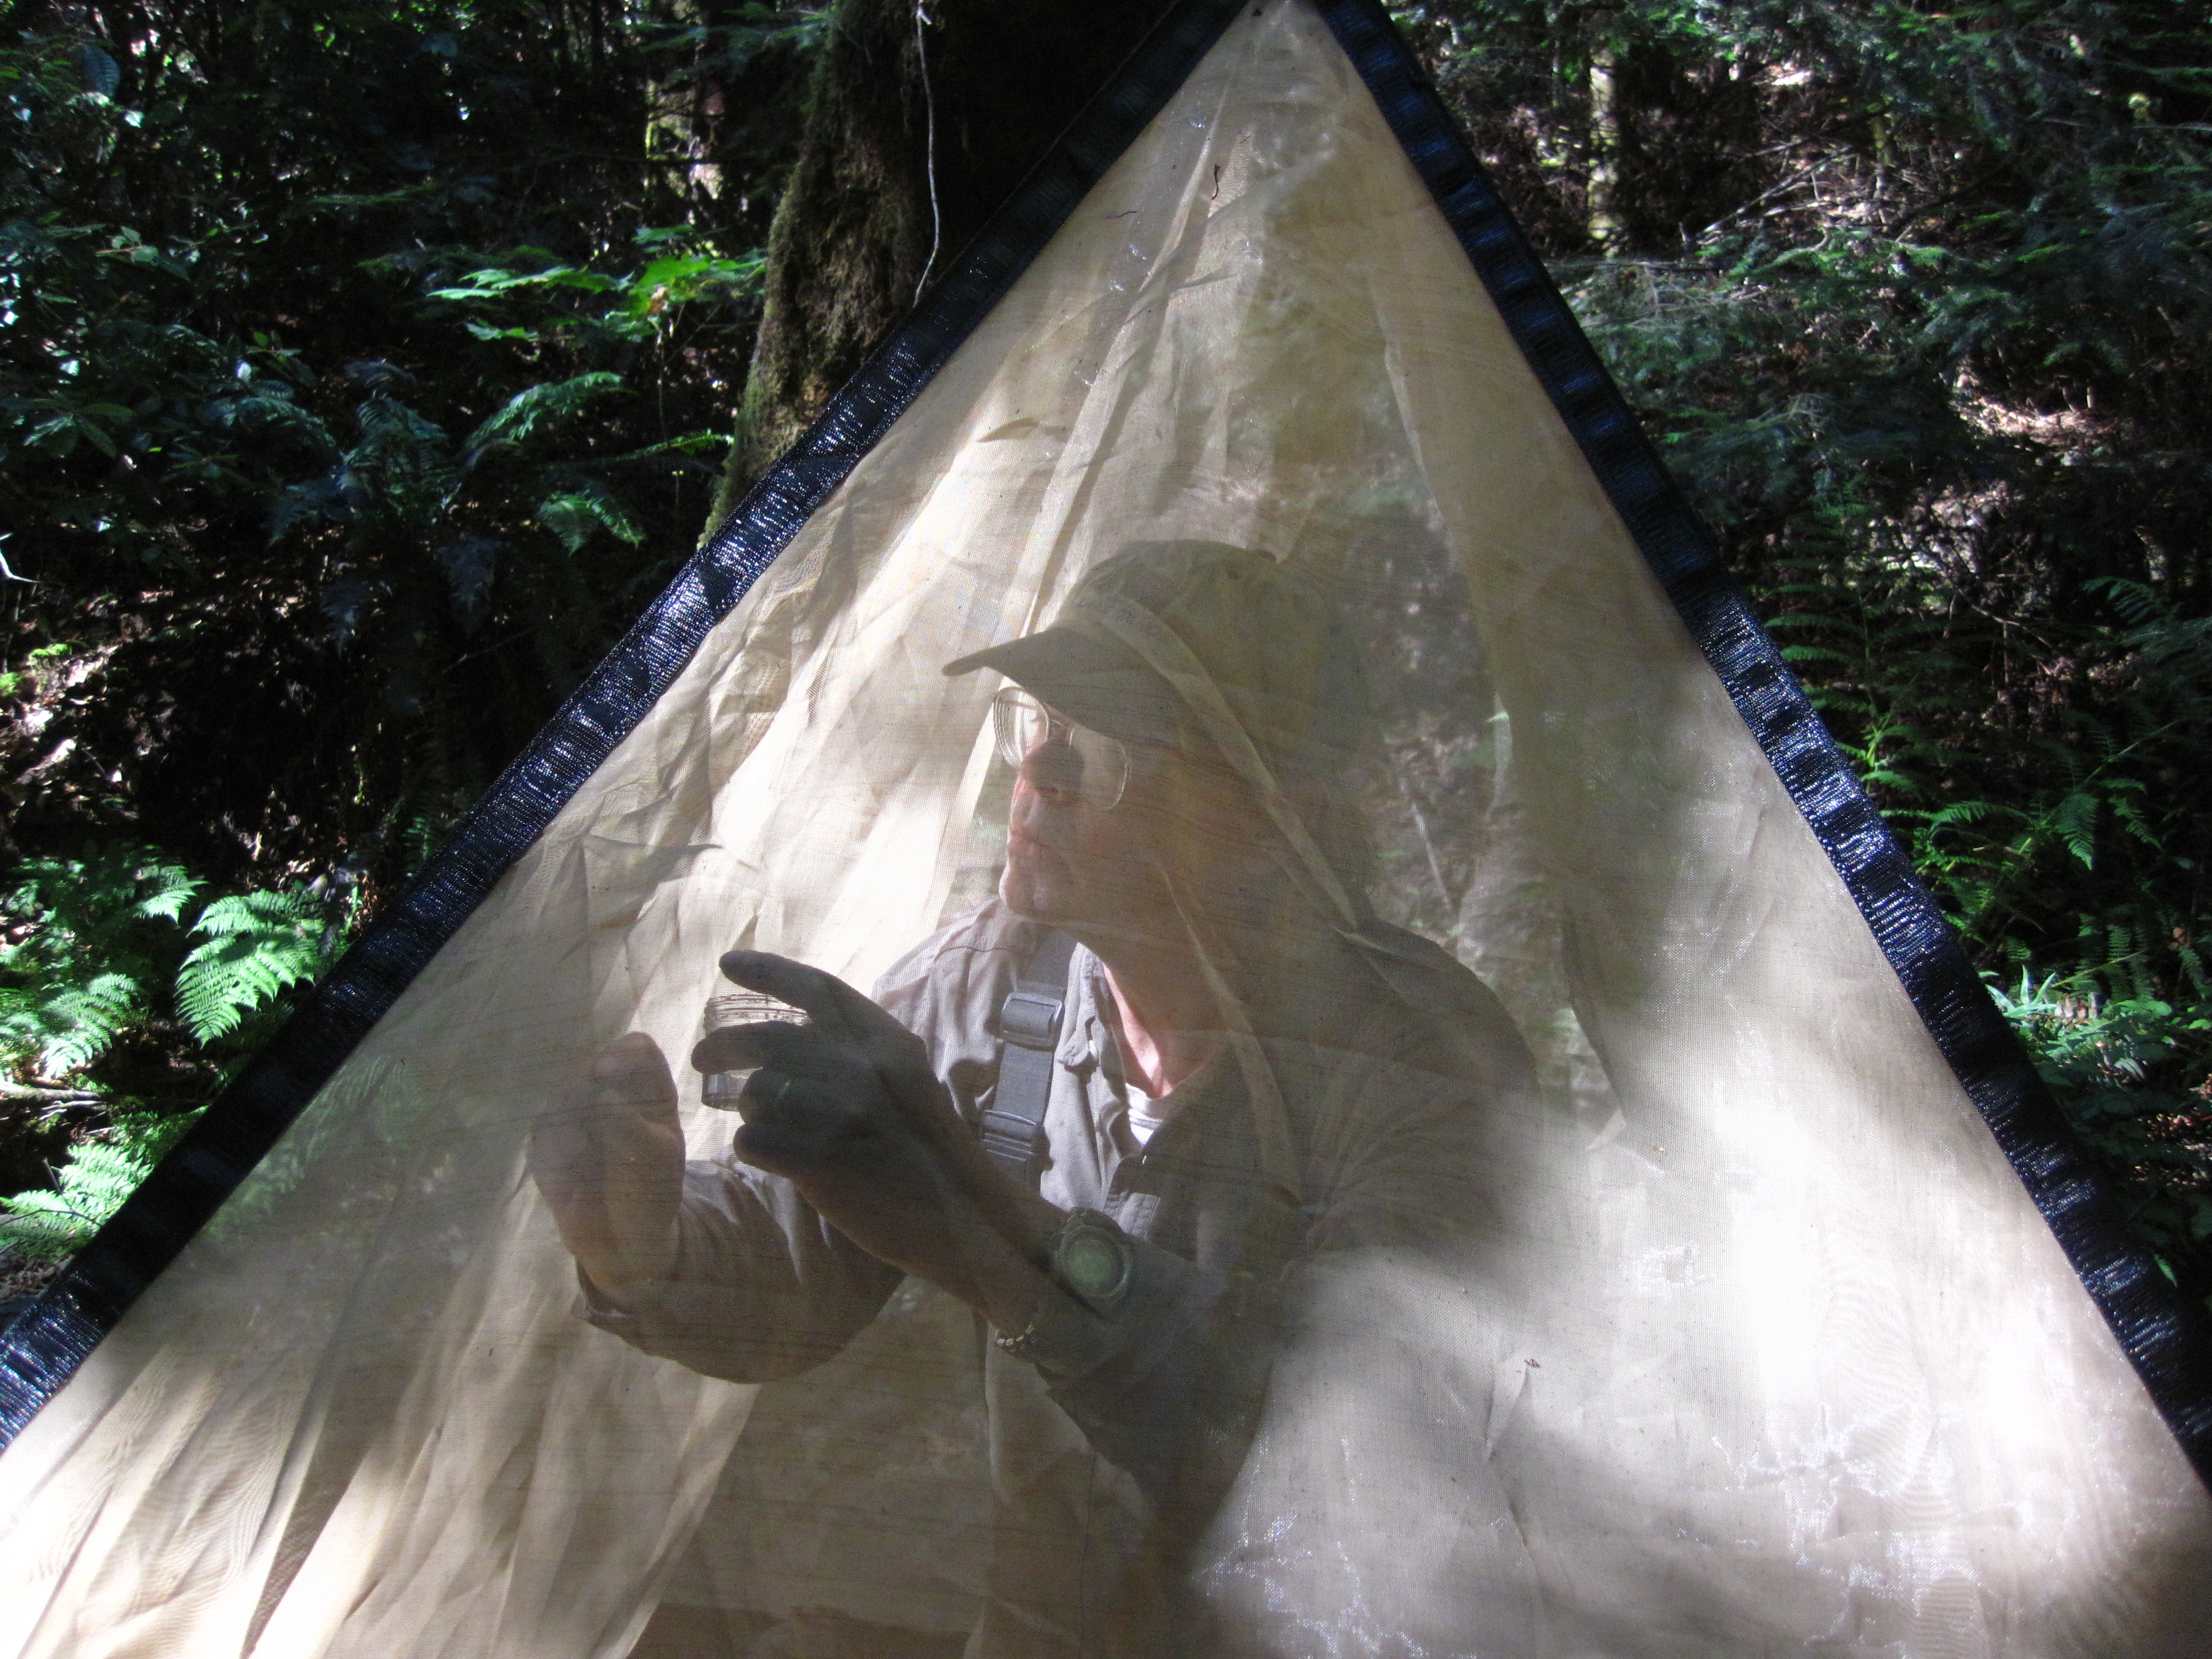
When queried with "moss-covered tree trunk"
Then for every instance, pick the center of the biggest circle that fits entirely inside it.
(962, 94)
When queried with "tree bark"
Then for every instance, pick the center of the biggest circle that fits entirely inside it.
(1604, 136)
(964, 95)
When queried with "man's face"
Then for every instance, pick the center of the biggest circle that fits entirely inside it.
(1103, 873)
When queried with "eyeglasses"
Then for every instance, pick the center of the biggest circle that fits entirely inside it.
(1060, 755)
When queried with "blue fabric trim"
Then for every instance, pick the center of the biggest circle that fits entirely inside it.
(46, 1343)
(2167, 1336)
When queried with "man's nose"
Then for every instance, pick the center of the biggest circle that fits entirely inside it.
(1054, 770)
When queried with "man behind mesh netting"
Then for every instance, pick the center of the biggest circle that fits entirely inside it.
(1252, 1076)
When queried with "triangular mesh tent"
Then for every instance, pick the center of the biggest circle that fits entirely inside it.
(1433, 1121)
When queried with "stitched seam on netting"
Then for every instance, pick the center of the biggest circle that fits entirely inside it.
(2167, 1337)
(42, 1347)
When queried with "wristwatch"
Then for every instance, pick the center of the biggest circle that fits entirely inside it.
(1091, 1261)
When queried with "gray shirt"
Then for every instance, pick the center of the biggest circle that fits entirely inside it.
(1390, 1063)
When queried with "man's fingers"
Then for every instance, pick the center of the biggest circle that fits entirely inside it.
(610, 1163)
(631, 1071)
(795, 1123)
(736, 1048)
(826, 999)
(836, 1009)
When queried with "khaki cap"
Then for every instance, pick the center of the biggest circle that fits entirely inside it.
(1271, 645)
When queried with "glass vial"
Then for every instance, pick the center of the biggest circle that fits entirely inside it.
(720, 1090)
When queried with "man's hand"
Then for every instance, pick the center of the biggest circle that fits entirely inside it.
(848, 1109)
(612, 1167)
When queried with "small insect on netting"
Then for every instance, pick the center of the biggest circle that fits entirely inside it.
(1376, 1127)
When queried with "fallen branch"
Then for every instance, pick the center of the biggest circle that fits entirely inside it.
(50, 1094)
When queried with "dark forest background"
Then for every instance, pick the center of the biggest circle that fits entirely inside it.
(364, 368)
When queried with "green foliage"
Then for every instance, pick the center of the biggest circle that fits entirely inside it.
(2131, 1074)
(85, 956)
(633, 307)
(99, 955)
(254, 947)
(101, 1170)
(365, 369)
(362, 370)
(1913, 301)
(97, 947)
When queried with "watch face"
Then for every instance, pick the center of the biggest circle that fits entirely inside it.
(1092, 1265)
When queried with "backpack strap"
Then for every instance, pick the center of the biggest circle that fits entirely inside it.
(1013, 1127)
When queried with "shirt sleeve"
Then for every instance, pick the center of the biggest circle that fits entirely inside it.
(761, 1287)
(1139, 1380)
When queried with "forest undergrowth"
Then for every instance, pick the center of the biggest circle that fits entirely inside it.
(365, 369)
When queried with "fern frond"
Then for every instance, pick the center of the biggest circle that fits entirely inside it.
(575, 515)
(255, 947)
(168, 890)
(1968, 811)
(71, 1026)
(533, 407)
(89, 1188)
(2074, 820)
